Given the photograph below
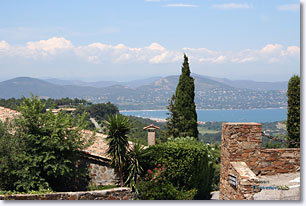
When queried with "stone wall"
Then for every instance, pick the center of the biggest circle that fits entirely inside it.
(245, 182)
(100, 172)
(242, 142)
(276, 161)
(121, 193)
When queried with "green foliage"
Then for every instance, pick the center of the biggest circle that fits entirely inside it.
(101, 111)
(155, 186)
(139, 135)
(293, 113)
(134, 169)
(190, 164)
(13, 103)
(118, 127)
(45, 150)
(97, 111)
(172, 130)
(184, 116)
(210, 138)
(271, 145)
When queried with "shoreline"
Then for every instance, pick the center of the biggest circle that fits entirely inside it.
(162, 110)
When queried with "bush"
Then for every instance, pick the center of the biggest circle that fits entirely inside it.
(149, 190)
(189, 164)
(156, 187)
(44, 151)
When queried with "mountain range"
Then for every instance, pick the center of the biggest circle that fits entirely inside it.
(153, 93)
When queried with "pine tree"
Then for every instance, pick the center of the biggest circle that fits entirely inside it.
(184, 116)
(293, 113)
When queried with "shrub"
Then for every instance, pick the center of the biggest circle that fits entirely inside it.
(155, 186)
(44, 151)
(189, 164)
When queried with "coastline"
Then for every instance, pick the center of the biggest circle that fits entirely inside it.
(162, 110)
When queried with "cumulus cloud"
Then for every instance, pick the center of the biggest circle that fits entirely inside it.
(50, 46)
(271, 48)
(180, 5)
(4, 45)
(231, 6)
(154, 53)
(289, 7)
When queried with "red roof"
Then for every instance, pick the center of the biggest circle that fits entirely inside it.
(6, 113)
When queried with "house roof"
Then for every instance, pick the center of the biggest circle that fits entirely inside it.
(151, 126)
(6, 113)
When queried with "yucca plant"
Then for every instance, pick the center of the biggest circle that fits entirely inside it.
(134, 169)
(118, 126)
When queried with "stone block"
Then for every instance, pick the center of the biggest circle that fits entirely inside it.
(277, 163)
(282, 170)
(288, 154)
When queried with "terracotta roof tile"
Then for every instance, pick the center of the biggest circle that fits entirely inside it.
(6, 113)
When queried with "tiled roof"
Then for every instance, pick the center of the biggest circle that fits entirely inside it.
(98, 148)
(6, 113)
(151, 126)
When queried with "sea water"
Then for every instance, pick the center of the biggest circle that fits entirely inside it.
(235, 115)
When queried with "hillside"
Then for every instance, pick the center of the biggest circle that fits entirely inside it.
(249, 84)
(101, 84)
(210, 94)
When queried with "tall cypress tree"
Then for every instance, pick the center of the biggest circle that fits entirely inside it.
(184, 116)
(293, 113)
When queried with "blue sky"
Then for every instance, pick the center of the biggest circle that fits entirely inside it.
(125, 40)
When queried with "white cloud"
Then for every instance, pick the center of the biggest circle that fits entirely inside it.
(51, 44)
(4, 45)
(156, 46)
(231, 6)
(271, 48)
(289, 7)
(293, 50)
(180, 5)
(97, 53)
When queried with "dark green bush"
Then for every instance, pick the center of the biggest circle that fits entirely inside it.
(41, 151)
(156, 186)
(149, 190)
(190, 164)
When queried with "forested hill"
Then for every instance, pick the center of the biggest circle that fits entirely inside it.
(210, 94)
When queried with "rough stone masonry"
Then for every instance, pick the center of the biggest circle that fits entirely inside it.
(242, 149)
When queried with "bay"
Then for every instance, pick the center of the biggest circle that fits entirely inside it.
(236, 115)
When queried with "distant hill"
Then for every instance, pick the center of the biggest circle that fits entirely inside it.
(210, 94)
(249, 84)
(101, 84)
(242, 84)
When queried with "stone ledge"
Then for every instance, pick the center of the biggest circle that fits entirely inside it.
(241, 123)
(121, 193)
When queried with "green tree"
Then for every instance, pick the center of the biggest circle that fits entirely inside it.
(171, 131)
(118, 127)
(45, 150)
(293, 113)
(184, 116)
